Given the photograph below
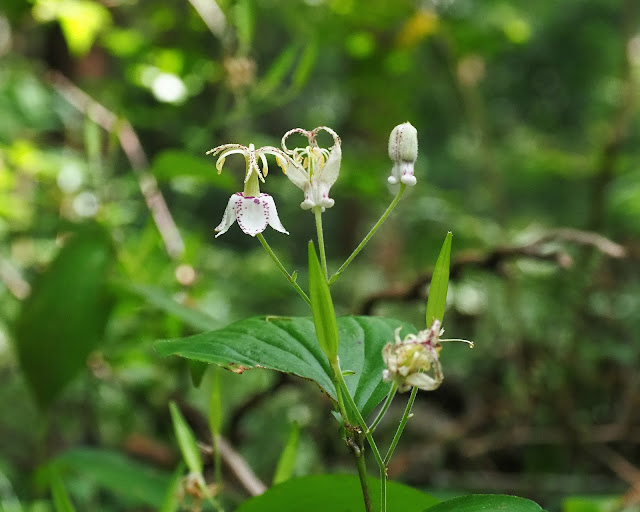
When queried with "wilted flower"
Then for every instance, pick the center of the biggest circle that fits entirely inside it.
(252, 209)
(403, 150)
(313, 169)
(408, 360)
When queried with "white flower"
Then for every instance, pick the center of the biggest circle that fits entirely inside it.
(252, 210)
(408, 360)
(403, 150)
(251, 155)
(313, 169)
(252, 213)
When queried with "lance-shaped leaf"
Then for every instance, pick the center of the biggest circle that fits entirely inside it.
(61, 500)
(286, 463)
(324, 316)
(439, 283)
(289, 345)
(64, 318)
(186, 440)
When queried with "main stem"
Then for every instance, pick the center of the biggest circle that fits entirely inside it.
(267, 248)
(372, 232)
(341, 386)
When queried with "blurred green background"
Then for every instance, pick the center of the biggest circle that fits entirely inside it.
(527, 115)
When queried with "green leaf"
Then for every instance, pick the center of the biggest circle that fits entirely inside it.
(197, 369)
(305, 64)
(173, 163)
(186, 440)
(439, 283)
(133, 482)
(486, 502)
(277, 72)
(171, 501)
(160, 299)
(61, 500)
(289, 345)
(64, 318)
(593, 504)
(337, 493)
(324, 316)
(284, 469)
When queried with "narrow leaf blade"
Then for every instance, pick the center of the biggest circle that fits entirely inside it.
(186, 440)
(437, 300)
(61, 500)
(324, 316)
(284, 469)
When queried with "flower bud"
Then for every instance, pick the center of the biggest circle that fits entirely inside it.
(403, 151)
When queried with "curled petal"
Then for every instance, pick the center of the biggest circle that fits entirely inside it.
(229, 216)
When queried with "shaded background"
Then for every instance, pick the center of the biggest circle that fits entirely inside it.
(528, 127)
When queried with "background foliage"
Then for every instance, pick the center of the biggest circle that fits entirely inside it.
(528, 126)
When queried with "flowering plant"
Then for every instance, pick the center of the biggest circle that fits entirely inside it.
(360, 362)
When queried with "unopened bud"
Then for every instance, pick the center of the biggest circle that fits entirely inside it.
(403, 151)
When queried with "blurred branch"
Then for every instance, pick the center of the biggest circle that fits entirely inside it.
(212, 15)
(239, 468)
(624, 470)
(132, 148)
(12, 279)
(236, 463)
(493, 261)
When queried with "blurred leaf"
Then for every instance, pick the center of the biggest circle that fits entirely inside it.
(80, 20)
(61, 500)
(337, 493)
(284, 469)
(186, 440)
(171, 501)
(324, 316)
(489, 502)
(244, 18)
(278, 71)
(437, 300)
(8, 500)
(172, 164)
(289, 345)
(64, 318)
(305, 64)
(196, 370)
(595, 504)
(131, 481)
(160, 299)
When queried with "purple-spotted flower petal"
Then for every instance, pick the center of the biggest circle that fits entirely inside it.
(253, 214)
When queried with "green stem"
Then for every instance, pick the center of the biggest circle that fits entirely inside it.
(362, 473)
(372, 232)
(282, 269)
(342, 385)
(403, 422)
(317, 211)
(383, 411)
